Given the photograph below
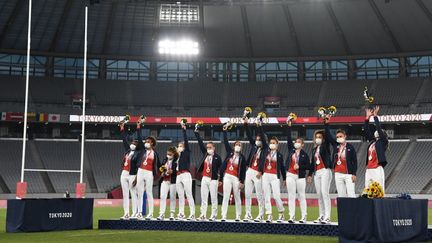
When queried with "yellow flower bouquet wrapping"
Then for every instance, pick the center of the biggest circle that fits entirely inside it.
(374, 190)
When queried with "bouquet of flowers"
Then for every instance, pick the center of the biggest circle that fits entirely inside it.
(292, 117)
(374, 190)
(199, 125)
(247, 112)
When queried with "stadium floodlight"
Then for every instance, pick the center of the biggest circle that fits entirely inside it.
(178, 47)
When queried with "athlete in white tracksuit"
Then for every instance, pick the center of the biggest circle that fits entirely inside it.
(255, 169)
(147, 169)
(184, 178)
(232, 176)
(376, 156)
(209, 184)
(128, 175)
(297, 164)
(168, 185)
(321, 167)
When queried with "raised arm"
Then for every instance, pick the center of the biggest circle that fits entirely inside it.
(249, 133)
(185, 139)
(378, 125)
(200, 143)
(328, 136)
(124, 137)
(289, 139)
(367, 132)
(228, 147)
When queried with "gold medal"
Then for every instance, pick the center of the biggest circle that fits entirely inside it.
(339, 162)
(231, 168)
(255, 164)
(269, 167)
(145, 163)
(208, 170)
(318, 162)
(125, 164)
(370, 157)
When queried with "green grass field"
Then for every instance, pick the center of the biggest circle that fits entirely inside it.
(157, 236)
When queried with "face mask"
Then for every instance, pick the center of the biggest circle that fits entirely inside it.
(210, 151)
(340, 140)
(376, 134)
(147, 145)
(297, 145)
(237, 149)
(132, 147)
(180, 149)
(318, 141)
(258, 143)
(273, 146)
(170, 157)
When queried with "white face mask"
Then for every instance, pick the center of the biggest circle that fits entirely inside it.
(340, 140)
(376, 134)
(210, 151)
(258, 143)
(170, 157)
(273, 146)
(180, 149)
(237, 148)
(147, 145)
(132, 147)
(297, 145)
(318, 141)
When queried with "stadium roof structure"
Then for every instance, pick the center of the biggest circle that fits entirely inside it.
(240, 29)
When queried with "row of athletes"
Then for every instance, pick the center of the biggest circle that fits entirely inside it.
(262, 171)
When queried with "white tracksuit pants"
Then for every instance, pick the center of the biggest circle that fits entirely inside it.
(293, 184)
(322, 182)
(184, 185)
(252, 182)
(209, 186)
(231, 182)
(344, 185)
(271, 183)
(145, 184)
(377, 175)
(126, 181)
(167, 187)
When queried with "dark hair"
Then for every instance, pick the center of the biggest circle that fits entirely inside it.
(153, 140)
(341, 131)
(274, 138)
(302, 139)
(173, 150)
(236, 142)
(319, 132)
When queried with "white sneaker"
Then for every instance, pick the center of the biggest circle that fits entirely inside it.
(202, 217)
(191, 217)
(134, 216)
(319, 220)
(171, 216)
(326, 221)
(269, 218)
(291, 220)
(258, 219)
(180, 216)
(281, 218)
(223, 219)
(161, 217)
(247, 218)
(149, 217)
(212, 218)
(237, 219)
(125, 217)
(302, 220)
(139, 216)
